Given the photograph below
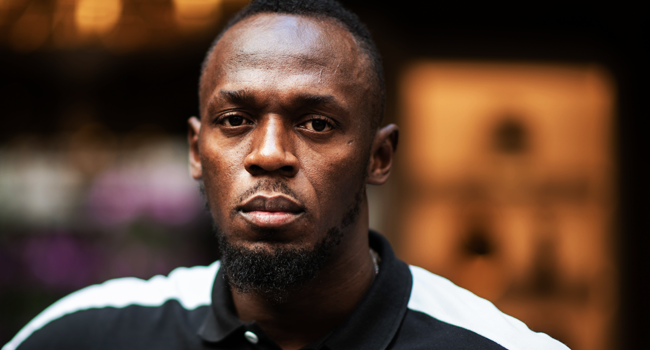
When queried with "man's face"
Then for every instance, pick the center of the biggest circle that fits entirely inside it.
(284, 137)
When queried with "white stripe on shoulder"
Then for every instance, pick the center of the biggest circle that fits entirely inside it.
(440, 298)
(192, 287)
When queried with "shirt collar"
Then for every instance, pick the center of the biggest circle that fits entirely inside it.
(221, 320)
(372, 324)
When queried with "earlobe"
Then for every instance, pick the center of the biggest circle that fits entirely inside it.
(381, 157)
(193, 129)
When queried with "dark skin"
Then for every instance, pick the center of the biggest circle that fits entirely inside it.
(287, 99)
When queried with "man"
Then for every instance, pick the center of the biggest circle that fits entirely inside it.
(291, 97)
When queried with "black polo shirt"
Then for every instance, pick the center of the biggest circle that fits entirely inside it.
(405, 308)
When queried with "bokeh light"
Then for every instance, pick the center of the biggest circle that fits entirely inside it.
(97, 16)
(195, 13)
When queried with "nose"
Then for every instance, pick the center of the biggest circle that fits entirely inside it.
(272, 150)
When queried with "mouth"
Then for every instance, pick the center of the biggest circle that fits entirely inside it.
(270, 211)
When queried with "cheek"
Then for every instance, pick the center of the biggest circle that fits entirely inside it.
(221, 165)
(335, 176)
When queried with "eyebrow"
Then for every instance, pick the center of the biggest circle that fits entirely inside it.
(245, 97)
(237, 96)
(311, 100)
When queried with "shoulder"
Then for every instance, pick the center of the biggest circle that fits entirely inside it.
(439, 298)
(190, 287)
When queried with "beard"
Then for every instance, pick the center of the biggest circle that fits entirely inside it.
(276, 273)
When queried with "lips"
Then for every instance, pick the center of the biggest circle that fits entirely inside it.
(271, 211)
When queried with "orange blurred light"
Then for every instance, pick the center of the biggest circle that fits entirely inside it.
(195, 13)
(31, 30)
(97, 16)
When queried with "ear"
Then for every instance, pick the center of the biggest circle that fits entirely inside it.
(193, 129)
(381, 157)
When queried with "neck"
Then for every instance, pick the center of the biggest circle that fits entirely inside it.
(312, 311)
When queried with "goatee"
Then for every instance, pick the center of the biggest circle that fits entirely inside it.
(278, 272)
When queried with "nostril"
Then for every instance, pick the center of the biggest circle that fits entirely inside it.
(287, 169)
(256, 169)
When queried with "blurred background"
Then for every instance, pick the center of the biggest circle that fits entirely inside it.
(520, 173)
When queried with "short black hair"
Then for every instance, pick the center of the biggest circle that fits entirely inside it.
(322, 9)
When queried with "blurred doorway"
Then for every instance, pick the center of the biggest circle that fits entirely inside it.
(507, 184)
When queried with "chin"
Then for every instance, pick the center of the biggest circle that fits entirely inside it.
(274, 240)
(274, 268)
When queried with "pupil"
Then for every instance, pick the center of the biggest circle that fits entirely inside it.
(318, 125)
(235, 120)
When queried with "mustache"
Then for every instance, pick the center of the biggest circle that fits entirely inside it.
(269, 186)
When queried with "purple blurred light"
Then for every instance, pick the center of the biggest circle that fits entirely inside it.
(163, 193)
(59, 261)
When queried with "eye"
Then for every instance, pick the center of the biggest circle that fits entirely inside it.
(233, 120)
(318, 125)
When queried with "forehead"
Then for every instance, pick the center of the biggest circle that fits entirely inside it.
(271, 36)
(292, 44)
